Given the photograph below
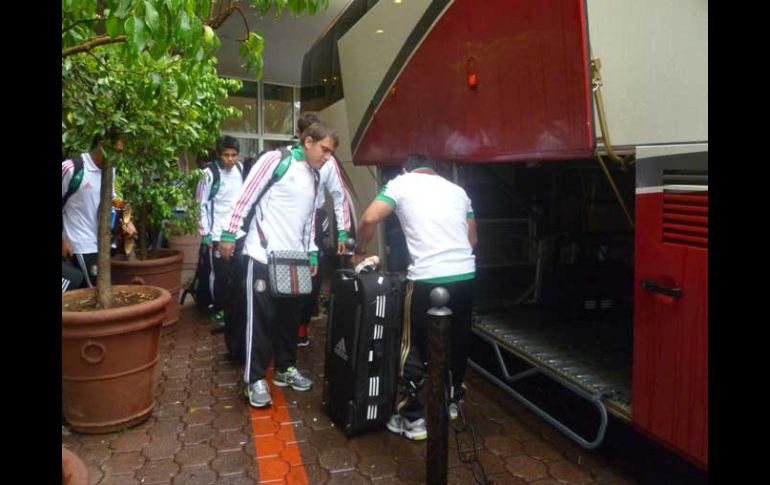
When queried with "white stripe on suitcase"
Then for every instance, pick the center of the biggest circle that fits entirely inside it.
(374, 386)
(371, 412)
(380, 306)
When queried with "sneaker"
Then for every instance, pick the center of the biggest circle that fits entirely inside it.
(456, 400)
(303, 342)
(258, 394)
(292, 378)
(454, 409)
(218, 322)
(414, 430)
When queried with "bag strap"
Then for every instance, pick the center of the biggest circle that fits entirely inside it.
(215, 182)
(75, 181)
(316, 182)
(216, 176)
(278, 173)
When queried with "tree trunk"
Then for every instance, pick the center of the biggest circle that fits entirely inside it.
(143, 231)
(104, 277)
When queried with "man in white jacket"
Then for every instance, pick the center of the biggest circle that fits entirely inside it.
(330, 180)
(217, 190)
(285, 215)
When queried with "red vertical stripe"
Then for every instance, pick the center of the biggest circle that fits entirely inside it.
(278, 456)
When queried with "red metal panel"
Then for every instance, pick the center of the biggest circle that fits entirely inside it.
(532, 101)
(670, 373)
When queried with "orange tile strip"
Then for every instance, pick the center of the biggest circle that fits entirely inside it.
(278, 456)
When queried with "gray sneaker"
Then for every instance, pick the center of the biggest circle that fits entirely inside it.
(292, 378)
(414, 430)
(258, 394)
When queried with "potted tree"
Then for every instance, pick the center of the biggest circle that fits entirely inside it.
(151, 181)
(110, 55)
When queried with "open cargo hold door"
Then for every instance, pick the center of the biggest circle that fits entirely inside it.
(670, 369)
(491, 81)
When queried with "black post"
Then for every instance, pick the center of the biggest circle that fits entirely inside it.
(438, 361)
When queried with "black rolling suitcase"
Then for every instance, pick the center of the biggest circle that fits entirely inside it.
(363, 341)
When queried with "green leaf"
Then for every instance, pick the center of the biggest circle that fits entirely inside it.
(123, 8)
(205, 8)
(114, 26)
(161, 44)
(208, 34)
(183, 25)
(151, 16)
(259, 43)
(243, 49)
(128, 27)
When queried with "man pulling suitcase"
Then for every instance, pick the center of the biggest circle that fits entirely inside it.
(440, 229)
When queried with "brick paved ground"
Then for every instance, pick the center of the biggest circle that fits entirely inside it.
(202, 431)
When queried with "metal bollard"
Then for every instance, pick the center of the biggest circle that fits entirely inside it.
(438, 362)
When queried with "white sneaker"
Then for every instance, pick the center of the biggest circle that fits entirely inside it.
(414, 430)
(258, 394)
(293, 378)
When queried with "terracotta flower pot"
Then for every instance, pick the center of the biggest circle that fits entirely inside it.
(163, 270)
(74, 471)
(109, 358)
(190, 245)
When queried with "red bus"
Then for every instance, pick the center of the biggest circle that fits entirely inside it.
(592, 262)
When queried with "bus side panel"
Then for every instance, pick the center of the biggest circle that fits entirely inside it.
(530, 100)
(670, 368)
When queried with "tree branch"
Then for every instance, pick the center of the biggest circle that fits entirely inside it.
(245, 22)
(92, 43)
(69, 27)
(217, 21)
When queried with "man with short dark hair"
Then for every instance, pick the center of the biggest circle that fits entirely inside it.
(330, 179)
(440, 230)
(217, 191)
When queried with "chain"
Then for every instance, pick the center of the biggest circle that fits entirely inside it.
(461, 426)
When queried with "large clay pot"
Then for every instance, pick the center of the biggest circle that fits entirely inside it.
(74, 471)
(190, 245)
(109, 358)
(164, 270)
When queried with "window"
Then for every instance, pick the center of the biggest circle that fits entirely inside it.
(278, 109)
(249, 147)
(247, 122)
(268, 119)
(275, 144)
